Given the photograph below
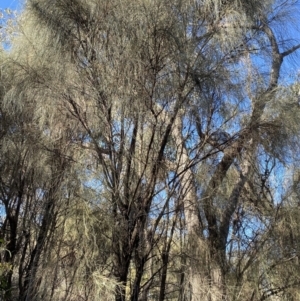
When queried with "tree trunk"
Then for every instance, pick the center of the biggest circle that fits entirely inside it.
(199, 283)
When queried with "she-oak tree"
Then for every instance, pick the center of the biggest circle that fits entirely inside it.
(141, 143)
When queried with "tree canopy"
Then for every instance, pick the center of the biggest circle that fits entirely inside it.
(149, 150)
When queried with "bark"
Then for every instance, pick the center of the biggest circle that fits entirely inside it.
(196, 283)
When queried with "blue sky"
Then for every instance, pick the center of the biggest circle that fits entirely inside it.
(12, 4)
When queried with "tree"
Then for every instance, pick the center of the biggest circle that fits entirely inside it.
(156, 125)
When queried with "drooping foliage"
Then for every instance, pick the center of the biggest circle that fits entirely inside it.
(149, 151)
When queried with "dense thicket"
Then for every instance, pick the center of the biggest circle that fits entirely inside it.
(150, 151)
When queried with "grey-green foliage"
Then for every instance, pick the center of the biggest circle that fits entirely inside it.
(96, 95)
